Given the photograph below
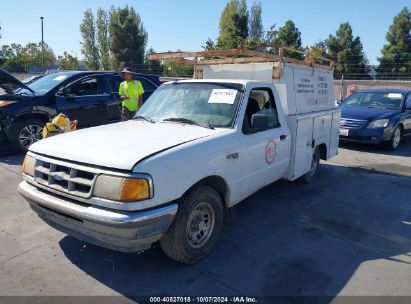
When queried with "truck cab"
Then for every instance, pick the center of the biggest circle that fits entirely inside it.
(194, 150)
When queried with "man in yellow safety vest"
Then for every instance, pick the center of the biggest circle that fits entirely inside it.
(131, 93)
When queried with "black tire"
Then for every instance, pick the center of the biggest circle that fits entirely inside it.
(395, 140)
(312, 173)
(176, 242)
(21, 129)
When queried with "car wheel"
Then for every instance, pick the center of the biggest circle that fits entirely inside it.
(395, 140)
(27, 132)
(196, 227)
(315, 163)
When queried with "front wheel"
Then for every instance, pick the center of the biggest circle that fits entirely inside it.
(196, 227)
(395, 140)
(315, 163)
(26, 133)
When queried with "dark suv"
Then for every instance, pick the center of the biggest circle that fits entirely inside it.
(90, 97)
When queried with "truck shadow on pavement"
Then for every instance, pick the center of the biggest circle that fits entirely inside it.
(288, 239)
(403, 150)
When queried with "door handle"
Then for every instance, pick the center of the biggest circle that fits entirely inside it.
(282, 137)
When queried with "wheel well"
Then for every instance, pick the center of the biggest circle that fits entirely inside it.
(217, 183)
(323, 151)
(40, 116)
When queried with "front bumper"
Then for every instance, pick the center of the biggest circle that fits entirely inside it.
(368, 135)
(113, 229)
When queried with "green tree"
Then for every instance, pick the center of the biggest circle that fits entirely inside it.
(256, 30)
(288, 35)
(19, 58)
(315, 50)
(347, 52)
(177, 69)
(103, 38)
(152, 66)
(68, 62)
(10, 60)
(128, 37)
(233, 25)
(396, 54)
(88, 45)
(209, 45)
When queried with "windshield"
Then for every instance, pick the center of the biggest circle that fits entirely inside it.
(374, 100)
(209, 104)
(46, 83)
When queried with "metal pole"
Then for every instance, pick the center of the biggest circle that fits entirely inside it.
(42, 44)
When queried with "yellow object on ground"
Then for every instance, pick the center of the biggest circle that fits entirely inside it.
(59, 124)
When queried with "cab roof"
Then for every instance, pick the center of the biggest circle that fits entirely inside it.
(244, 82)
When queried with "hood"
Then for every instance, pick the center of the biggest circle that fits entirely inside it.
(9, 83)
(120, 145)
(368, 114)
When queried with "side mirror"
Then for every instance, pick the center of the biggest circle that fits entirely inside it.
(408, 106)
(259, 122)
(339, 101)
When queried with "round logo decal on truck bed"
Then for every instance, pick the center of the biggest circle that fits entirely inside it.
(270, 151)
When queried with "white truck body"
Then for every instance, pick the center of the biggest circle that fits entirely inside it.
(307, 98)
(176, 157)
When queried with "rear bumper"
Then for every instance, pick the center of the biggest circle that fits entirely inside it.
(117, 230)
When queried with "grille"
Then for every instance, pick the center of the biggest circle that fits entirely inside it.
(352, 123)
(64, 178)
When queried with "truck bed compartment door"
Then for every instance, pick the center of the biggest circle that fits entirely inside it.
(303, 146)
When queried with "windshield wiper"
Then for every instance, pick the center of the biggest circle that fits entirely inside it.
(188, 121)
(146, 118)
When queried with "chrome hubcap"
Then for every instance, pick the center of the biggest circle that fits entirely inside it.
(397, 137)
(200, 225)
(29, 135)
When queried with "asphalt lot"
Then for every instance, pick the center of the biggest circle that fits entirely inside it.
(347, 233)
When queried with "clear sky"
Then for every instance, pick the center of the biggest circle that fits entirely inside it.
(186, 24)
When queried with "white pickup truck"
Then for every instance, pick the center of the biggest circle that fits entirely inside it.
(195, 149)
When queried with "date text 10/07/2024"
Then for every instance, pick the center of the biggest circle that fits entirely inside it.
(203, 300)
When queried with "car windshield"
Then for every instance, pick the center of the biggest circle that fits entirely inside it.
(374, 100)
(206, 104)
(46, 83)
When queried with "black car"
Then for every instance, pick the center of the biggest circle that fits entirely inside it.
(89, 97)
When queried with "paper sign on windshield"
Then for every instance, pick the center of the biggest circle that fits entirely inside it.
(222, 96)
(394, 95)
(59, 78)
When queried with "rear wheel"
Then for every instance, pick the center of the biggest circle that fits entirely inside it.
(26, 133)
(196, 227)
(315, 162)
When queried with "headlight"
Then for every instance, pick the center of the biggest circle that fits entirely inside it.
(28, 165)
(124, 189)
(6, 103)
(380, 123)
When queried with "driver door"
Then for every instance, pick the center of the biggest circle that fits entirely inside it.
(265, 150)
(84, 100)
